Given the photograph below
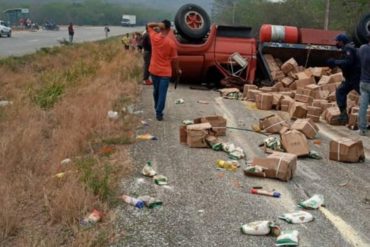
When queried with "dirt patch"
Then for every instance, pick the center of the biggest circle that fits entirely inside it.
(61, 97)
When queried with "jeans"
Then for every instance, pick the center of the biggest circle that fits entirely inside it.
(343, 90)
(364, 103)
(70, 38)
(147, 55)
(160, 86)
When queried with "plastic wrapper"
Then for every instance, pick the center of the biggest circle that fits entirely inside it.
(148, 170)
(273, 143)
(160, 180)
(314, 202)
(288, 238)
(146, 137)
(255, 171)
(91, 219)
(297, 217)
(261, 228)
(151, 202)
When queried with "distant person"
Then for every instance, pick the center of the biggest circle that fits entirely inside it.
(133, 41)
(126, 41)
(147, 47)
(106, 30)
(364, 54)
(350, 65)
(139, 42)
(164, 53)
(71, 32)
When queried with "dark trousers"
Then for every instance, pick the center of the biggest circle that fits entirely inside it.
(160, 86)
(147, 56)
(343, 90)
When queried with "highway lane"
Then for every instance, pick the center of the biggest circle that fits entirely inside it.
(24, 42)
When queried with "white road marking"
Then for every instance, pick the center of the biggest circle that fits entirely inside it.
(348, 233)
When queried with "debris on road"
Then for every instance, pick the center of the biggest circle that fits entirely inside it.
(297, 217)
(188, 122)
(151, 202)
(160, 180)
(287, 238)
(203, 102)
(91, 219)
(347, 150)
(314, 155)
(133, 201)
(229, 165)
(146, 137)
(179, 101)
(273, 143)
(5, 103)
(272, 124)
(66, 161)
(261, 228)
(314, 202)
(295, 142)
(266, 193)
(148, 170)
(231, 93)
(234, 152)
(113, 115)
(306, 126)
(214, 143)
(277, 165)
(144, 123)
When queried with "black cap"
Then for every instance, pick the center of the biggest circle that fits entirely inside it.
(167, 24)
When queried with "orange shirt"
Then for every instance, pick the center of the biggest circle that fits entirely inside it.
(163, 51)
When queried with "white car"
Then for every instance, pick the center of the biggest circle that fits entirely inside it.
(5, 30)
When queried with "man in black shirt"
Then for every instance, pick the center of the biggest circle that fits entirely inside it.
(147, 56)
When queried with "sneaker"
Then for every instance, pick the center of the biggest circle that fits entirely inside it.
(362, 132)
(160, 118)
(147, 82)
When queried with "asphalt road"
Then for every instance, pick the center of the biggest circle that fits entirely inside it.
(206, 207)
(23, 42)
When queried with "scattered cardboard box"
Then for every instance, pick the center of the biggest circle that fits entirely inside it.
(302, 83)
(218, 124)
(272, 124)
(314, 113)
(306, 126)
(264, 101)
(196, 135)
(297, 110)
(248, 87)
(347, 150)
(295, 142)
(286, 81)
(251, 94)
(331, 115)
(289, 66)
(278, 165)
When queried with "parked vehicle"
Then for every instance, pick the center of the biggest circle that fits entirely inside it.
(5, 30)
(206, 51)
(49, 25)
(128, 20)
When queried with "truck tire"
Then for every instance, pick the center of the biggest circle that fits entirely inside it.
(363, 29)
(192, 22)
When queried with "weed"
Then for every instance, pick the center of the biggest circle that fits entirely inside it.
(122, 140)
(49, 95)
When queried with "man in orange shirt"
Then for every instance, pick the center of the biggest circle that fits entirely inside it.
(164, 56)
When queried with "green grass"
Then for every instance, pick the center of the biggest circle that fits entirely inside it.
(47, 96)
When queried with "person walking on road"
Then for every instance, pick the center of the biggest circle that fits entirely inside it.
(71, 32)
(147, 47)
(364, 54)
(106, 30)
(164, 57)
(350, 65)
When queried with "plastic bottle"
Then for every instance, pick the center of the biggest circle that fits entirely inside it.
(227, 165)
(133, 201)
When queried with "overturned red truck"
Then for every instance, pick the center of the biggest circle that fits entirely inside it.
(232, 56)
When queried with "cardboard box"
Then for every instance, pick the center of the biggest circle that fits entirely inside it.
(285, 103)
(277, 75)
(183, 134)
(276, 100)
(331, 115)
(264, 101)
(251, 94)
(278, 165)
(286, 81)
(297, 110)
(331, 87)
(218, 124)
(304, 82)
(278, 86)
(196, 135)
(353, 121)
(302, 76)
(320, 71)
(319, 103)
(289, 66)
(293, 85)
(324, 80)
(354, 96)
(336, 78)
(226, 91)
(295, 142)
(303, 95)
(306, 126)
(268, 89)
(331, 97)
(272, 124)
(248, 87)
(273, 66)
(346, 150)
(313, 91)
(314, 113)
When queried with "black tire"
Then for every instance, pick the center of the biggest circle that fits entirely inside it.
(9, 35)
(188, 31)
(363, 29)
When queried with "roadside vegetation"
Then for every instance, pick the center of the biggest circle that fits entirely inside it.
(61, 97)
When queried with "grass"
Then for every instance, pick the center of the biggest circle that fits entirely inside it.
(61, 97)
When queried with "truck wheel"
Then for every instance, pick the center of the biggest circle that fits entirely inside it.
(192, 22)
(363, 29)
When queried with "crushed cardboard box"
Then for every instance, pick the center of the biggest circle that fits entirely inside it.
(347, 150)
(295, 142)
(218, 124)
(196, 135)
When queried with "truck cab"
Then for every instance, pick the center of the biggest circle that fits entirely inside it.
(5, 30)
